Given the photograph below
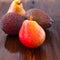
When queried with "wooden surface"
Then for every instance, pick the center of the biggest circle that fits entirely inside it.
(12, 49)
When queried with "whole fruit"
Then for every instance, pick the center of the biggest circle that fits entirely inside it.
(17, 7)
(31, 34)
(40, 17)
(11, 23)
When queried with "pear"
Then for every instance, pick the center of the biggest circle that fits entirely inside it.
(31, 34)
(17, 7)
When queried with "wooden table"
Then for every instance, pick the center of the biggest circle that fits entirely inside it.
(12, 49)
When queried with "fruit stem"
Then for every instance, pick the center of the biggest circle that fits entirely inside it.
(18, 1)
(31, 17)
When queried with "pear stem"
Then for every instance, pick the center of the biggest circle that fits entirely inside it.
(17, 1)
(31, 17)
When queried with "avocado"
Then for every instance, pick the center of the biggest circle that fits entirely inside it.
(41, 17)
(11, 23)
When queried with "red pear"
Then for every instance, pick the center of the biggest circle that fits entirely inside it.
(31, 34)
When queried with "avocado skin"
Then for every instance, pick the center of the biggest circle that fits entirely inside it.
(11, 23)
(40, 17)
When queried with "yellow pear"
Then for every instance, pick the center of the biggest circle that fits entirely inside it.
(17, 7)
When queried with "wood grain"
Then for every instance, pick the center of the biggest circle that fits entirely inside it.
(12, 49)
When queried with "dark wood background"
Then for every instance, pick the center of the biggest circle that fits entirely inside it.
(12, 49)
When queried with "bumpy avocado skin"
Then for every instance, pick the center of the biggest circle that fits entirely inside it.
(11, 23)
(40, 16)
